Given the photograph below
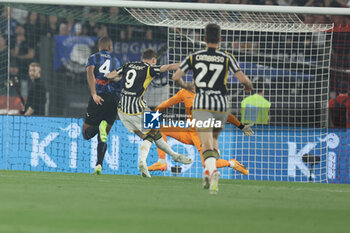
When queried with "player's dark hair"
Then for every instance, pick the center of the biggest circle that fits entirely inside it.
(104, 42)
(148, 54)
(212, 33)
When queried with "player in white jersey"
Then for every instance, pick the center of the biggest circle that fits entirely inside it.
(137, 76)
(210, 71)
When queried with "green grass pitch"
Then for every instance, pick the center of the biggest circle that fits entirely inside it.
(35, 202)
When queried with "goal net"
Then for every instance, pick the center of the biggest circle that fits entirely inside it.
(339, 88)
(288, 62)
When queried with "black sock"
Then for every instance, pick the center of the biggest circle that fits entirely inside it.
(101, 151)
(90, 132)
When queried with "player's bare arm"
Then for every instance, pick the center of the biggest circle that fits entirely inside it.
(92, 82)
(169, 67)
(177, 77)
(114, 76)
(244, 80)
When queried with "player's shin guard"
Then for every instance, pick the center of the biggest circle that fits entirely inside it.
(90, 132)
(101, 151)
(210, 153)
(210, 157)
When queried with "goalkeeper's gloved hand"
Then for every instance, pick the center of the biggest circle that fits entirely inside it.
(246, 129)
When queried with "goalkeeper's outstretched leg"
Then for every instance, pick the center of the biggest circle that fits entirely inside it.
(156, 136)
(180, 134)
(190, 137)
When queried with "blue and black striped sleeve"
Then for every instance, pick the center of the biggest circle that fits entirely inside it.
(91, 61)
(116, 63)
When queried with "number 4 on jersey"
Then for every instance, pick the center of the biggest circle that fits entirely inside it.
(104, 69)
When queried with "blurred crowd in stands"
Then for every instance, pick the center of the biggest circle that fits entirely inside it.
(25, 30)
(316, 3)
(27, 27)
(306, 18)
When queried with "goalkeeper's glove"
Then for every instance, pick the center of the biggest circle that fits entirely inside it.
(246, 129)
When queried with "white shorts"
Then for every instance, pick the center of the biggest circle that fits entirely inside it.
(213, 119)
(133, 122)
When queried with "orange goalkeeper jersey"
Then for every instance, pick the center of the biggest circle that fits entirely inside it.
(183, 96)
(186, 97)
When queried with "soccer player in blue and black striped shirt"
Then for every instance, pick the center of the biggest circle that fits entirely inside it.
(102, 108)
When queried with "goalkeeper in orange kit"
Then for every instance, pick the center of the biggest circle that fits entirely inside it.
(190, 136)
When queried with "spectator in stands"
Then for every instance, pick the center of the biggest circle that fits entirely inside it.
(5, 25)
(255, 108)
(70, 24)
(114, 14)
(149, 34)
(63, 30)
(19, 15)
(101, 31)
(3, 48)
(36, 100)
(3, 58)
(15, 79)
(32, 28)
(77, 29)
(52, 26)
(339, 107)
(94, 13)
(22, 49)
(113, 18)
(14, 70)
(85, 30)
(42, 24)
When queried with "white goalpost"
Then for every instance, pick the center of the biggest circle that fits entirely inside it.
(288, 62)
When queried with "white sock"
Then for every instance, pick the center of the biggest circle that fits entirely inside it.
(162, 161)
(232, 163)
(161, 144)
(210, 164)
(144, 150)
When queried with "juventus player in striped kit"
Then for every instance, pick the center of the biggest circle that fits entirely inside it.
(210, 71)
(137, 77)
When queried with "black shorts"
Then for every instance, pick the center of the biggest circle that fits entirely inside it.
(107, 111)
